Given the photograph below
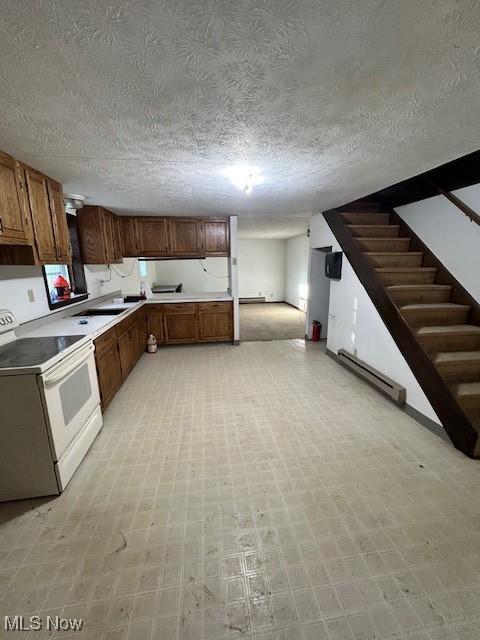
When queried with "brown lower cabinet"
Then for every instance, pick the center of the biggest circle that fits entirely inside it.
(118, 349)
(109, 371)
(215, 322)
(190, 322)
(116, 352)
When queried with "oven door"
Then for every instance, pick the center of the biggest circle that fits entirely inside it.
(70, 395)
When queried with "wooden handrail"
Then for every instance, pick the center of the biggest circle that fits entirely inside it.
(464, 208)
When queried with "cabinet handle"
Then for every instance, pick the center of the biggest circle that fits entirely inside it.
(1, 226)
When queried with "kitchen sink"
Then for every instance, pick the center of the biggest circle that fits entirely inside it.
(101, 312)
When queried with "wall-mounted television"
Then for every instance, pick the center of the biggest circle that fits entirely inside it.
(333, 265)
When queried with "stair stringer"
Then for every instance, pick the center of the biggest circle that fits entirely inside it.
(453, 419)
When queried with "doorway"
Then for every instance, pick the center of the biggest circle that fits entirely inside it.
(319, 291)
(271, 321)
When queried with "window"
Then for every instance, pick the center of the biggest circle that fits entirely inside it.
(142, 268)
(66, 284)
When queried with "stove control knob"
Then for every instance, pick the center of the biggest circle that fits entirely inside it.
(9, 318)
(2, 322)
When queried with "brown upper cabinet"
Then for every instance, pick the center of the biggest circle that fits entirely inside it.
(215, 237)
(100, 237)
(185, 237)
(175, 237)
(59, 221)
(33, 221)
(129, 236)
(13, 228)
(152, 237)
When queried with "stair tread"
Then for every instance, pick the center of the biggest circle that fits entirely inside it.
(416, 287)
(456, 356)
(449, 328)
(434, 305)
(406, 269)
(393, 253)
(374, 226)
(463, 389)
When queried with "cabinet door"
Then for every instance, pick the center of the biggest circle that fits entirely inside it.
(109, 374)
(59, 220)
(108, 236)
(142, 335)
(129, 233)
(215, 321)
(12, 223)
(152, 234)
(91, 233)
(117, 239)
(181, 327)
(128, 348)
(185, 237)
(155, 325)
(215, 238)
(39, 201)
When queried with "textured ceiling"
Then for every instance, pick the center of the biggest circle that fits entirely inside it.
(141, 105)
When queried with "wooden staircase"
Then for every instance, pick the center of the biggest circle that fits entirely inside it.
(422, 299)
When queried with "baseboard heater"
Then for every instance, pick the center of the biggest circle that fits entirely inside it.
(250, 300)
(383, 383)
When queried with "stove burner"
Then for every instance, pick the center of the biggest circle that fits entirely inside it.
(28, 352)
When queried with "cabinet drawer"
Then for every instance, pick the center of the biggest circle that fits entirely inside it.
(180, 307)
(105, 341)
(214, 306)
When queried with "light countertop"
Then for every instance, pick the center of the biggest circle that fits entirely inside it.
(96, 325)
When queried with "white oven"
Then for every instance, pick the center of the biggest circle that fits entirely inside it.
(70, 394)
(49, 410)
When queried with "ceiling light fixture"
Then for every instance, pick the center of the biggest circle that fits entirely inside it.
(244, 178)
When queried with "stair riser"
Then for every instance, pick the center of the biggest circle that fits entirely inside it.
(434, 344)
(419, 277)
(384, 244)
(396, 261)
(460, 371)
(431, 318)
(420, 297)
(366, 218)
(371, 231)
(470, 403)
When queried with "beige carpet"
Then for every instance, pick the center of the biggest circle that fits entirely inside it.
(271, 321)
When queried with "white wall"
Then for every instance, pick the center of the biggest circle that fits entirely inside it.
(261, 268)
(296, 271)
(192, 275)
(15, 280)
(318, 293)
(450, 235)
(355, 325)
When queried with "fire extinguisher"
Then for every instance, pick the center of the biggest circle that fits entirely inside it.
(316, 330)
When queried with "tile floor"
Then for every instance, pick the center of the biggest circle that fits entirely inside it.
(257, 492)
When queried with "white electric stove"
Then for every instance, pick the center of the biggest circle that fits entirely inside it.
(49, 410)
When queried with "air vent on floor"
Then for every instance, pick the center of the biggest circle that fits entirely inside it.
(383, 383)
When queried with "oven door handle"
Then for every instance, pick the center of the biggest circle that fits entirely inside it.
(66, 368)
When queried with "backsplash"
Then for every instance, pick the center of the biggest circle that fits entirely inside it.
(16, 280)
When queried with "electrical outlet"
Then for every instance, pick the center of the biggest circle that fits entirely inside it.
(31, 295)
